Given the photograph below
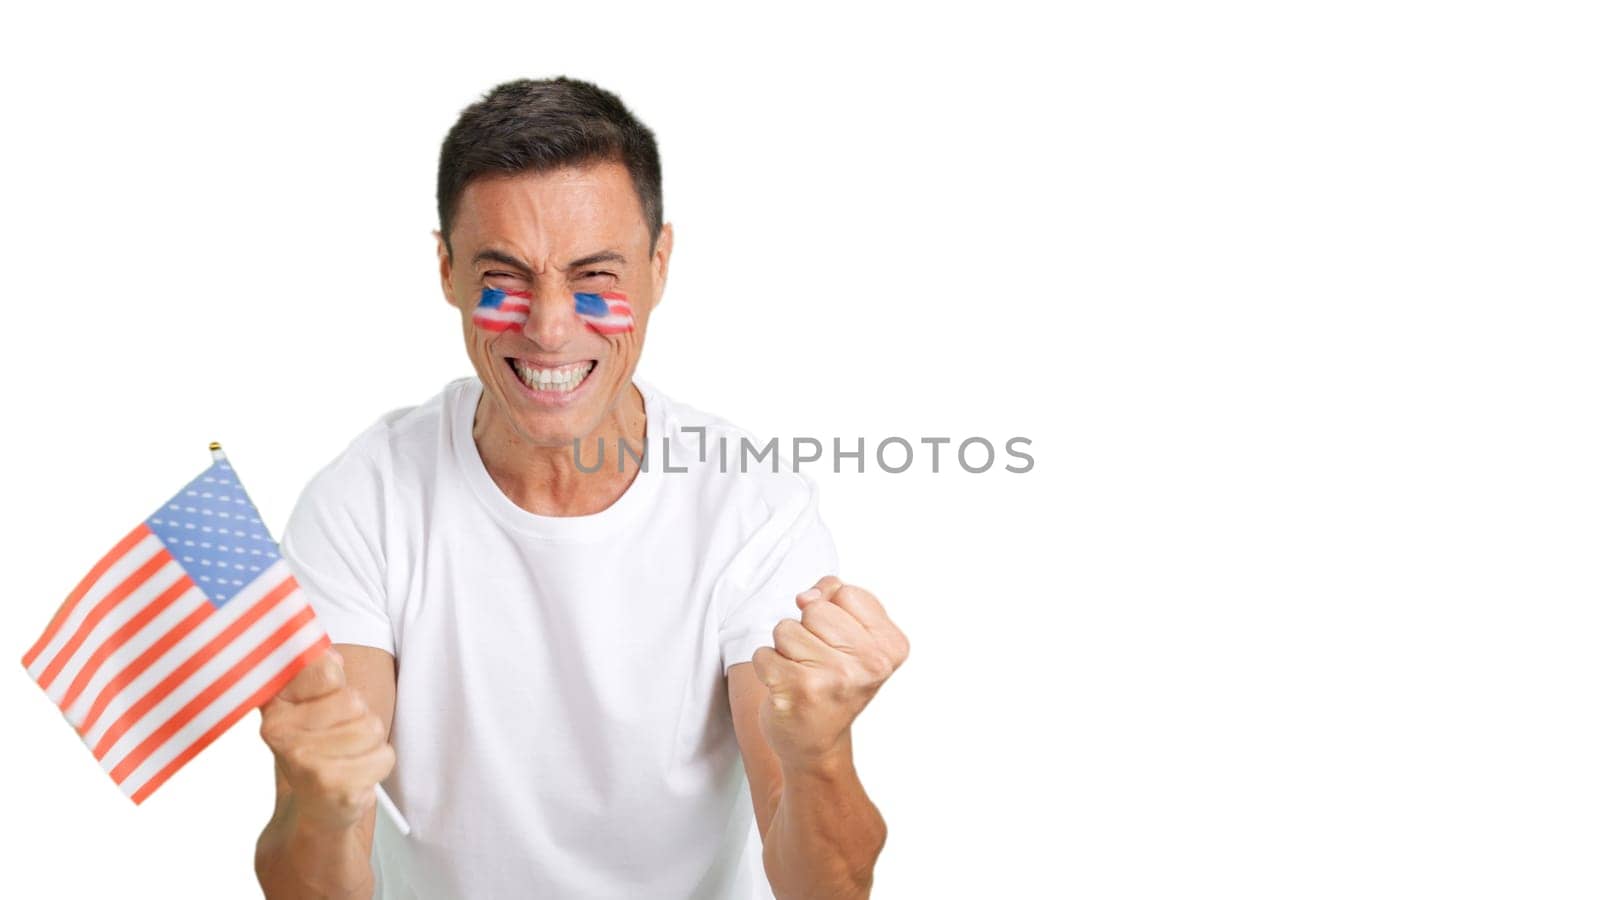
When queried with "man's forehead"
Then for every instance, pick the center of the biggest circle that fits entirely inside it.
(564, 212)
(595, 189)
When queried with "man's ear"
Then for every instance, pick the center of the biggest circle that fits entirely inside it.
(660, 260)
(443, 250)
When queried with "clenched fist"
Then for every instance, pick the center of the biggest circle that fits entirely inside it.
(823, 669)
(329, 747)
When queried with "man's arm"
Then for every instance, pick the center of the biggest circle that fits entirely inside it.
(792, 709)
(329, 734)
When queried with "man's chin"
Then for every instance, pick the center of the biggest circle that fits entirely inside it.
(550, 429)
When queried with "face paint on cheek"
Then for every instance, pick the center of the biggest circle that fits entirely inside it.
(607, 313)
(501, 310)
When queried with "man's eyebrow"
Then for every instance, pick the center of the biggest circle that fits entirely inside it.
(602, 256)
(501, 257)
(506, 259)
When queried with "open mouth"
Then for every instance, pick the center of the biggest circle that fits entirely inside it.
(562, 379)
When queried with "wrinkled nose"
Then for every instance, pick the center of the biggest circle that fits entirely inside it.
(552, 320)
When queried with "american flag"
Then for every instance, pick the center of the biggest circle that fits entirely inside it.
(190, 622)
(499, 310)
(607, 313)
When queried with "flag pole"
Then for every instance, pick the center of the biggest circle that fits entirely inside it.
(384, 802)
(393, 812)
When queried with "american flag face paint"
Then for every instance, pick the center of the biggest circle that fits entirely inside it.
(501, 310)
(606, 313)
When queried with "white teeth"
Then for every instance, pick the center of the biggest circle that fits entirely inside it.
(563, 379)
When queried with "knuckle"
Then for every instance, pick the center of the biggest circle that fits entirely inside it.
(817, 613)
(878, 664)
(836, 685)
(858, 594)
(350, 797)
(271, 733)
(766, 667)
(323, 781)
(277, 739)
(813, 685)
(386, 760)
(300, 758)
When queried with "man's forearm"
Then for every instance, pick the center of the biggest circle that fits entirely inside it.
(298, 861)
(825, 835)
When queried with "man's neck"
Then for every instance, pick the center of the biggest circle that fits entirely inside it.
(546, 480)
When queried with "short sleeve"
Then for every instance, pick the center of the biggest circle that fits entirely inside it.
(786, 555)
(333, 543)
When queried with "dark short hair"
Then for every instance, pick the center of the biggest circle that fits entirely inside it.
(544, 125)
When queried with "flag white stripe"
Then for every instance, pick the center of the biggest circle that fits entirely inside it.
(132, 649)
(263, 672)
(502, 315)
(136, 556)
(180, 652)
(126, 608)
(203, 677)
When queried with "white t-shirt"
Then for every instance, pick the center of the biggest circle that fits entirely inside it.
(561, 723)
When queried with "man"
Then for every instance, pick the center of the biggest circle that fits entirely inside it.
(561, 673)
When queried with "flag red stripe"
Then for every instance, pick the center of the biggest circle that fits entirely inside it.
(119, 637)
(255, 700)
(215, 689)
(145, 661)
(496, 326)
(187, 667)
(123, 546)
(133, 582)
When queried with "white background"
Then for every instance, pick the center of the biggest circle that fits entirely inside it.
(1295, 301)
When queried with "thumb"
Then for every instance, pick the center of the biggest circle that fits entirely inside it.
(322, 676)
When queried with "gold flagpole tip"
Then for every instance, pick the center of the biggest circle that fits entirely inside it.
(215, 446)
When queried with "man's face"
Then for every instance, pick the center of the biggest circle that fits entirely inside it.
(552, 236)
